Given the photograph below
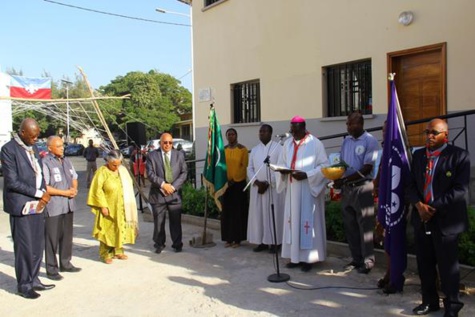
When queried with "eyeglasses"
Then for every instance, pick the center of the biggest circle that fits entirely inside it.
(433, 132)
(167, 142)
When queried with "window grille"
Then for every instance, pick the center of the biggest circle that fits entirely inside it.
(349, 88)
(246, 102)
(210, 2)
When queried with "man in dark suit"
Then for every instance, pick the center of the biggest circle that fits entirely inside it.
(438, 189)
(23, 181)
(166, 170)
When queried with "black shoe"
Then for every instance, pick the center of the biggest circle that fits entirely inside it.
(450, 314)
(178, 248)
(306, 267)
(71, 269)
(29, 294)
(158, 248)
(364, 269)
(292, 265)
(43, 287)
(261, 247)
(390, 289)
(452, 308)
(54, 277)
(424, 309)
(383, 282)
(352, 265)
(274, 248)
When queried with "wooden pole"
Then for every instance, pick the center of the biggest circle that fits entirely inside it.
(98, 110)
(111, 137)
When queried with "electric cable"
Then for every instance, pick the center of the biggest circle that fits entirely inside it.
(115, 14)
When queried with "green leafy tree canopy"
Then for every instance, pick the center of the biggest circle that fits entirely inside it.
(156, 99)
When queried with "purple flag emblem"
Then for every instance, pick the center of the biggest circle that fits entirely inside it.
(394, 172)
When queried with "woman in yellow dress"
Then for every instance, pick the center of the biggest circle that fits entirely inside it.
(112, 199)
(235, 202)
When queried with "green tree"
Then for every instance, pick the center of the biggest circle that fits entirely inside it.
(156, 99)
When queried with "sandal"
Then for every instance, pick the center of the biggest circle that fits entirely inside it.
(228, 244)
(121, 256)
(107, 261)
(236, 245)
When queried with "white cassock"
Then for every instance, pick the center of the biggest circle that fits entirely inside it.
(304, 237)
(259, 226)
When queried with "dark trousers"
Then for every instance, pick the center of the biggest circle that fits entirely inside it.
(58, 239)
(235, 213)
(159, 217)
(436, 250)
(28, 245)
(358, 221)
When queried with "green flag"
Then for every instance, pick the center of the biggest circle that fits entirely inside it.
(215, 171)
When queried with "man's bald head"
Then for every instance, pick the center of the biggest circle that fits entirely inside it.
(437, 133)
(166, 142)
(29, 131)
(440, 124)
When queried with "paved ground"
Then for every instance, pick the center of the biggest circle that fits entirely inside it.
(197, 282)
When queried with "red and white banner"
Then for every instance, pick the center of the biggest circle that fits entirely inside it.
(32, 88)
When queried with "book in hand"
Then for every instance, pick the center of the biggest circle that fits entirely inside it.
(278, 168)
(30, 208)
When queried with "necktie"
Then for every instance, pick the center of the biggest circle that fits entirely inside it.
(34, 162)
(168, 170)
(431, 157)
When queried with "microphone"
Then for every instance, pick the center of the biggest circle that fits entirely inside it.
(283, 135)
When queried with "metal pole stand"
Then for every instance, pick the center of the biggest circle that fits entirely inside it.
(206, 238)
(276, 277)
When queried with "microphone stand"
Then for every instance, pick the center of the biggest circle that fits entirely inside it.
(276, 277)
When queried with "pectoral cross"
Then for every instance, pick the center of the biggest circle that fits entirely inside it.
(306, 227)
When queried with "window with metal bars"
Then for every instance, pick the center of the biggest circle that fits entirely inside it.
(246, 102)
(210, 2)
(349, 88)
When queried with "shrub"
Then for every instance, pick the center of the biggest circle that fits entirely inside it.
(193, 202)
(467, 241)
(335, 232)
(334, 222)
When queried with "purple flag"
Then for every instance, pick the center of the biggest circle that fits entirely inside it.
(394, 175)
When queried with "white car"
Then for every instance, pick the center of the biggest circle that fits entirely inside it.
(179, 144)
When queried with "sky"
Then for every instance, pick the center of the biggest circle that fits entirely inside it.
(38, 36)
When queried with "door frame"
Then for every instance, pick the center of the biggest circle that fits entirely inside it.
(440, 47)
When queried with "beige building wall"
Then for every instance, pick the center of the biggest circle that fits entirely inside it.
(286, 43)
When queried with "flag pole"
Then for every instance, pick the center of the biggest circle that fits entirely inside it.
(401, 122)
(206, 216)
(202, 242)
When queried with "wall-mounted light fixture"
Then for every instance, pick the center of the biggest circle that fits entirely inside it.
(406, 17)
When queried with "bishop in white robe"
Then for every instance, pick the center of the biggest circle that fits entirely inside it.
(304, 237)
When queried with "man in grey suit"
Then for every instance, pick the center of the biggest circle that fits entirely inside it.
(23, 181)
(166, 170)
(62, 184)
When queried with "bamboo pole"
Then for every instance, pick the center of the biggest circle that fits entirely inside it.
(98, 110)
(111, 137)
